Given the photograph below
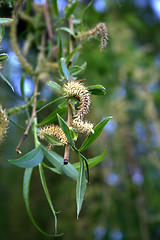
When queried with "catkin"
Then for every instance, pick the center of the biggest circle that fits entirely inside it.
(82, 126)
(100, 30)
(54, 131)
(4, 122)
(79, 91)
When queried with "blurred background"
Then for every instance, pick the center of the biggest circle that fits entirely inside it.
(123, 199)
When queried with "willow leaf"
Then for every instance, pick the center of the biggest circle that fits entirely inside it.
(93, 136)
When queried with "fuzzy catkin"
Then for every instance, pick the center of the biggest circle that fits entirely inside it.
(4, 122)
(100, 30)
(80, 92)
(54, 131)
(82, 126)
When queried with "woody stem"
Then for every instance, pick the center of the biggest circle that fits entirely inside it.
(67, 147)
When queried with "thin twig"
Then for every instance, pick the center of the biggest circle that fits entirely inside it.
(48, 22)
(67, 147)
(31, 119)
(40, 57)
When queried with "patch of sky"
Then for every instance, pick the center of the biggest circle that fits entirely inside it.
(46, 92)
(120, 92)
(99, 232)
(61, 6)
(156, 7)
(140, 3)
(140, 130)
(154, 134)
(5, 45)
(158, 60)
(154, 140)
(141, 148)
(116, 234)
(153, 87)
(100, 5)
(39, 2)
(112, 179)
(111, 126)
(14, 60)
(15, 76)
(137, 177)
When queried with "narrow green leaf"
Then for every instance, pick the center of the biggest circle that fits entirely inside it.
(3, 77)
(1, 32)
(28, 6)
(51, 168)
(55, 7)
(55, 86)
(40, 102)
(86, 166)
(77, 69)
(26, 187)
(74, 133)
(70, 7)
(22, 86)
(48, 104)
(71, 55)
(49, 48)
(30, 159)
(85, 10)
(63, 104)
(66, 29)
(65, 69)
(3, 57)
(81, 186)
(52, 140)
(44, 184)
(92, 161)
(97, 90)
(60, 45)
(57, 161)
(17, 125)
(5, 20)
(60, 53)
(92, 137)
(65, 129)
(52, 117)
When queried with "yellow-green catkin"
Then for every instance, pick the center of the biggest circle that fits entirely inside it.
(54, 131)
(4, 122)
(79, 91)
(100, 30)
(82, 126)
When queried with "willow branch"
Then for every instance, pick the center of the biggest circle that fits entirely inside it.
(67, 147)
(48, 22)
(40, 57)
(31, 119)
(14, 42)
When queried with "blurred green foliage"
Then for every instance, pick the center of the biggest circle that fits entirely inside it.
(123, 197)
